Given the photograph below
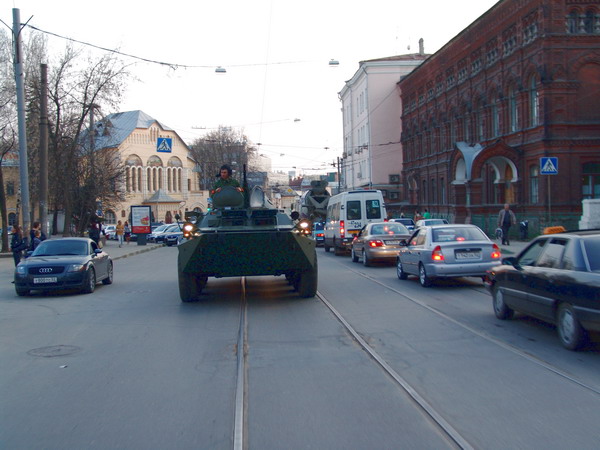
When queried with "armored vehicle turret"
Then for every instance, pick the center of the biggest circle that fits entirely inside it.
(245, 235)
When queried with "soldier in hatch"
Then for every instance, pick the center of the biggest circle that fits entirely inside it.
(225, 179)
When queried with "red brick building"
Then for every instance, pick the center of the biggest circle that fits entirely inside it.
(520, 83)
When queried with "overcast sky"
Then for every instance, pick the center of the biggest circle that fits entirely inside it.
(275, 52)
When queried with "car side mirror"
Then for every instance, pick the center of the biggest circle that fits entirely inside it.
(403, 243)
(511, 261)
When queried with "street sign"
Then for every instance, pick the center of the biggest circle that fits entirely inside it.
(549, 165)
(164, 145)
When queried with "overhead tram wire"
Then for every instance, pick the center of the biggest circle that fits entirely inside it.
(173, 66)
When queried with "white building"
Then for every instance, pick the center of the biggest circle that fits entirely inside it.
(372, 109)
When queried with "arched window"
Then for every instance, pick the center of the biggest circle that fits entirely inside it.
(572, 22)
(110, 217)
(494, 117)
(588, 22)
(534, 172)
(424, 193)
(590, 187)
(534, 103)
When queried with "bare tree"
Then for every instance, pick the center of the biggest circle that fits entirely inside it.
(218, 147)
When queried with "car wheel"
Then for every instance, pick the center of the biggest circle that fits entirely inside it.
(571, 333)
(109, 274)
(400, 270)
(354, 257)
(365, 259)
(501, 309)
(307, 281)
(22, 292)
(90, 281)
(326, 247)
(424, 279)
(337, 251)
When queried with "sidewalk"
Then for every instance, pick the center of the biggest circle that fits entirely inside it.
(513, 249)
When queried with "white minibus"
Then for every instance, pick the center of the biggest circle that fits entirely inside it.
(347, 213)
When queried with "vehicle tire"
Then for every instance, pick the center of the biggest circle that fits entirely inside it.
(571, 333)
(365, 259)
(90, 281)
(109, 276)
(354, 257)
(188, 287)
(501, 309)
(326, 247)
(201, 281)
(22, 292)
(402, 275)
(424, 279)
(337, 251)
(308, 281)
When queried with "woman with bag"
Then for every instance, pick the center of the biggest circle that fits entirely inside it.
(18, 243)
(127, 231)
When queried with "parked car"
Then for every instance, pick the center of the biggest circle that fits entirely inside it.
(442, 251)
(67, 263)
(407, 222)
(156, 231)
(378, 241)
(556, 279)
(173, 236)
(429, 222)
(110, 231)
(318, 233)
(172, 228)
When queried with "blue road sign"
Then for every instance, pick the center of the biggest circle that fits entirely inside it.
(549, 165)
(164, 145)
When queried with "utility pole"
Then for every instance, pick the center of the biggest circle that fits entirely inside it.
(44, 149)
(19, 76)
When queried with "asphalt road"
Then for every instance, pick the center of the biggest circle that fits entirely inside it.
(130, 366)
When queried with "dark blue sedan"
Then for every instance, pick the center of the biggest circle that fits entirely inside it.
(67, 263)
(556, 279)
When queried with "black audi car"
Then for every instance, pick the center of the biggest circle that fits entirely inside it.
(556, 278)
(67, 263)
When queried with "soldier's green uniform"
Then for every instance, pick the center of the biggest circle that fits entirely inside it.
(221, 182)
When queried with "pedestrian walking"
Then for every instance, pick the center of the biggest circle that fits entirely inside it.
(426, 214)
(127, 231)
(18, 243)
(119, 231)
(506, 218)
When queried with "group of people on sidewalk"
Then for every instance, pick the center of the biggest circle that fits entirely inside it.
(123, 232)
(20, 243)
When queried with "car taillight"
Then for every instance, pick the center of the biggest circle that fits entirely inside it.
(496, 252)
(375, 243)
(342, 229)
(320, 235)
(436, 254)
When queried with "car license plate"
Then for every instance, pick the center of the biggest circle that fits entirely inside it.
(392, 242)
(468, 255)
(45, 280)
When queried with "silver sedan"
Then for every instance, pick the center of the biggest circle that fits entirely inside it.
(442, 251)
(378, 241)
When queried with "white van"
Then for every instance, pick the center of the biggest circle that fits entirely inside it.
(347, 213)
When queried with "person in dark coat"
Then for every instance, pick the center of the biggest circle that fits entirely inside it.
(18, 243)
(35, 226)
(506, 218)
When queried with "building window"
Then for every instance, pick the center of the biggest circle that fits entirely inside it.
(534, 173)
(572, 22)
(424, 192)
(495, 113)
(442, 191)
(513, 111)
(394, 179)
(10, 188)
(590, 185)
(433, 191)
(534, 103)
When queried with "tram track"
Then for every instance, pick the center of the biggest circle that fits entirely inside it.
(511, 348)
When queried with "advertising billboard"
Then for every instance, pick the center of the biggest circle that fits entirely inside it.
(140, 219)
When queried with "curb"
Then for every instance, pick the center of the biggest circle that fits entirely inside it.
(137, 252)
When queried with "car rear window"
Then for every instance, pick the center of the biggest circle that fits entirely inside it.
(353, 210)
(448, 234)
(389, 228)
(592, 249)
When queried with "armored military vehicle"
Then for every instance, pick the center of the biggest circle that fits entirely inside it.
(245, 235)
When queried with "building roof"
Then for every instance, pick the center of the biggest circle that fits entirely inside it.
(407, 57)
(113, 129)
(160, 196)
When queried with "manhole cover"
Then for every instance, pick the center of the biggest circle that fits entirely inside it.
(54, 350)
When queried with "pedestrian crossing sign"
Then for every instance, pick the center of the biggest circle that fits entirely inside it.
(164, 145)
(549, 165)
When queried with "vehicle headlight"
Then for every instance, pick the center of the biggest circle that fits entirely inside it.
(76, 268)
(189, 230)
(21, 270)
(304, 226)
